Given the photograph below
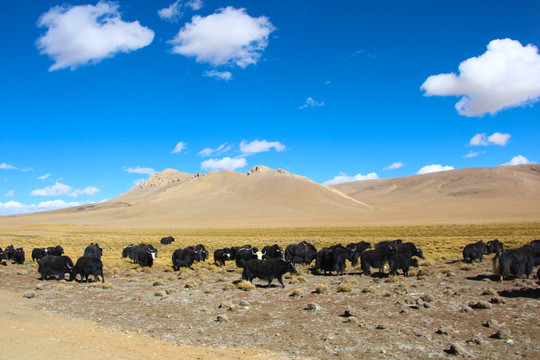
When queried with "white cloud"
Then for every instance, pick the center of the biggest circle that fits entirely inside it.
(171, 13)
(228, 37)
(495, 139)
(310, 102)
(506, 75)
(226, 163)
(14, 207)
(140, 170)
(343, 178)
(88, 34)
(10, 193)
(519, 160)
(473, 154)
(434, 168)
(220, 150)
(43, 177)
(195, 4)
(395, 166)
(59, 189)
(179, 147)
(5, 166)
(257, 146)
(221, 75)
(499, 139)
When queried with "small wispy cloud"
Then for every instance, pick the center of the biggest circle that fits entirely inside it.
(179, 147)
(59, 189)
(44, 177)
(258, 146)
(493, 139)
(5, 166)
(472, 154)
(223, 148)
(10, 193)
(434, 168)
(226, 163)
(310, 102)
(395, 166)
(220, 75)
(140, 170)
(343, 178)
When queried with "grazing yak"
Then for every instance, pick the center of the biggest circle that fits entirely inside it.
(201, 249)
(167, 240)
(474, 251)
(93, 250)
(376, 258)
(357, 249)
(246, 253)
(55, 250)
(186, 257)
(38, 253)
(392, 243)
(18, 256)
(272, 251)
(410, 249)
(53, 265)
(535, 244)
(141, 254)
(494, 247)
(9, 251)
(224, 254)
(303, 252)
(333, 259)
(270, 269)
(514, 262)
(86, 266)
(402, 262)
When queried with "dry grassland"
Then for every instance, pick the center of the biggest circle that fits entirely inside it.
(444, 242)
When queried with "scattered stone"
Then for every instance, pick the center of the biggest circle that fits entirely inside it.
(475, 341)
(503, 333)
(427, 305)
(169, 291)
(466, 309)
(491, 323)
(456, 349)
(29, 294)
(22, 272)
(227, 306)
(347, 313)
(312, 306)
(427, 298)
(489, 291)
(160, 294)
(444, 330)
(222, 318)
(480, 305)
(352, 320)
(497, 300)
(39, 286)
(244, 303)
(380, 327)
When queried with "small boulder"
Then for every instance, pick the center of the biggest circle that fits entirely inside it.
(503, 333)
(29, 294)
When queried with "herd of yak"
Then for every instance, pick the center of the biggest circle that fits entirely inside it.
(272, 262)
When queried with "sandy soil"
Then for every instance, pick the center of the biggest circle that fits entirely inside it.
(202, 314)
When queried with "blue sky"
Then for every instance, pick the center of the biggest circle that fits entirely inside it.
(97, 96)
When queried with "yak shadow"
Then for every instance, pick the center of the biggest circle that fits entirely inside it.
(262, 286)
(482, 277)
(521, 293)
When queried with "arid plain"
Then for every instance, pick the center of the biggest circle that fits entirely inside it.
(203, 313)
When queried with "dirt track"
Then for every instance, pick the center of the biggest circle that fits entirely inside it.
(151, 313)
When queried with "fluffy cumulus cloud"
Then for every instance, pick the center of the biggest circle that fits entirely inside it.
(494, 139)
(220, 150)
(258, 146)
(519, 160)
(179, 147)
(228, 37)
(140, 170)
(59, 189)
(15, 207)
(343, 178)
(5, 166)
(220, 75)
(395, 166)
(310, 102)
(84, 34)
(505, 76)
(434, 168)
(226, 163)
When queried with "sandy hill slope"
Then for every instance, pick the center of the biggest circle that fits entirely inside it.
(266, 197)
(504, 193)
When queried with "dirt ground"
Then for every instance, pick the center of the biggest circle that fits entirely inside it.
(445, 309)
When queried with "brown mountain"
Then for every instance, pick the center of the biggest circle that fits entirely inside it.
(275, 198)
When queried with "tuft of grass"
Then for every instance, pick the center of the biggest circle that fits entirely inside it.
(345, 288)
(322, 289)
(158, 282)
(296, 293)
(100, 285)
(245, 285)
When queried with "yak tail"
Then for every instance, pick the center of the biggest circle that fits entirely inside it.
(496, 267)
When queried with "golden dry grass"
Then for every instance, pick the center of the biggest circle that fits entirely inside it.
(444, 242)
